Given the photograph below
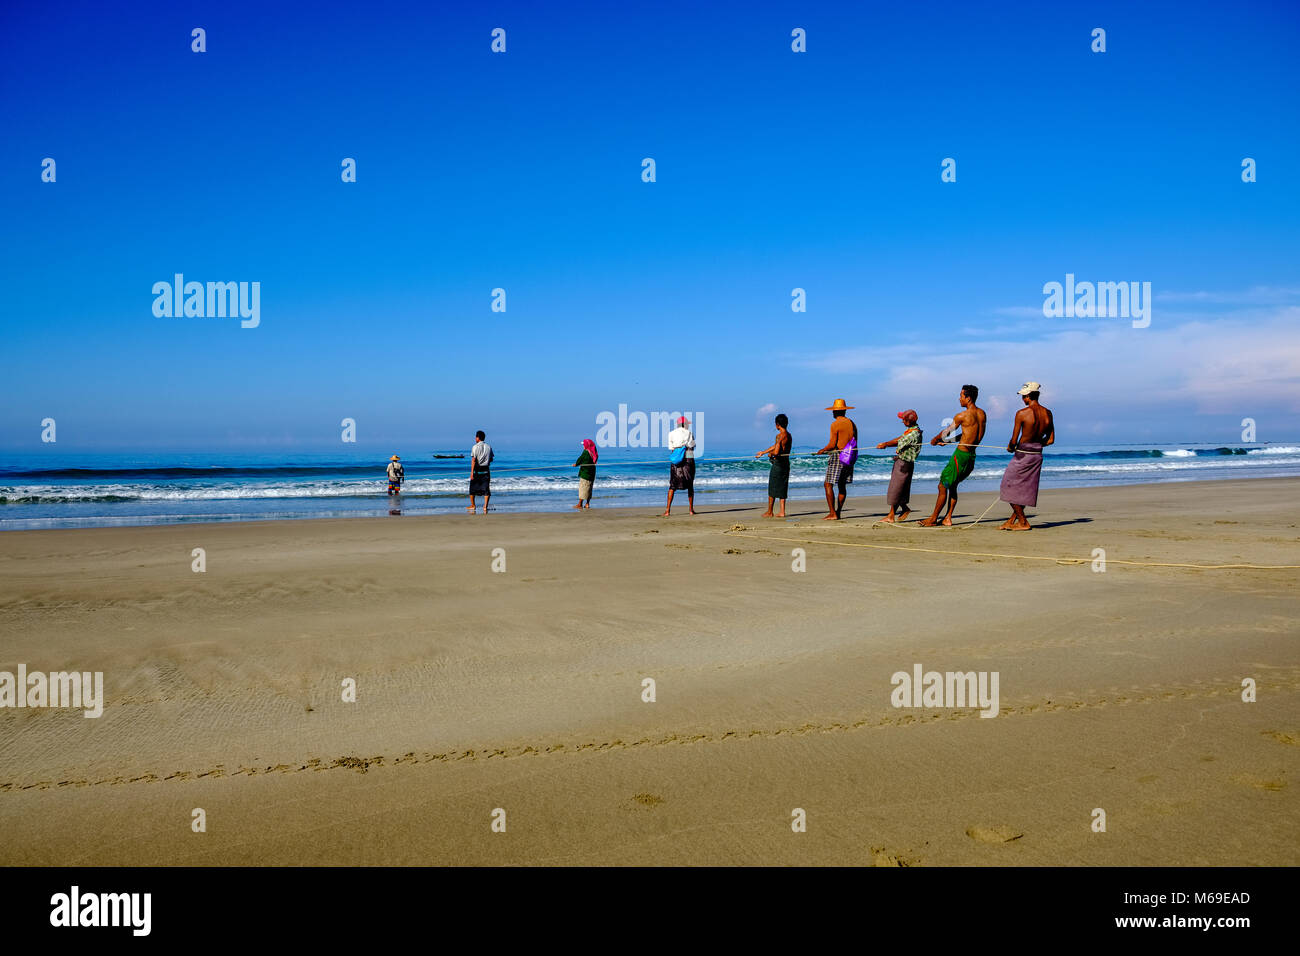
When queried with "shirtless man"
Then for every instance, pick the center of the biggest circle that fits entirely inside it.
(843, 430)
(971, 420)
(1034, 429)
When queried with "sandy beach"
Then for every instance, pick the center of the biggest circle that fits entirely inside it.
(522, 689)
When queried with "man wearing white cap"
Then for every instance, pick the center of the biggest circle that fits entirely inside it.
(1034, 428)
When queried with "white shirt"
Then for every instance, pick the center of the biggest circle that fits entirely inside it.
(679, 436)
(482, 453)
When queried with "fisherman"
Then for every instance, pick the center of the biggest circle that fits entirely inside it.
(971, 421)
(480, 472)
(396, 474)
(843, 449)
(586, 465)
(900, 482)
(778, 477)
(681, 465)
(1034, 428)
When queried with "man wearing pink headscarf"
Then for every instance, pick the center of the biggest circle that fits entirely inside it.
(586, 464)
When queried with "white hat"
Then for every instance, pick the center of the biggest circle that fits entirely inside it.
(1029, 387)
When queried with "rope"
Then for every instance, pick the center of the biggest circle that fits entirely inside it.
(1031, 557)
(986, 511)
(793, 455)
(664, 461)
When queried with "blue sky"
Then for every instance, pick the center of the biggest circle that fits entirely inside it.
(522, 170)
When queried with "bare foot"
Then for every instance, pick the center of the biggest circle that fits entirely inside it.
(928, 522)
(831, 517)
(666, 514)
(947, 522)
(889, 519)
(781, 515)
(1021, 527)
(691, 511)
(903, 516)
(1007, 525)
(578, 506)
(472, 510)
(766, 514)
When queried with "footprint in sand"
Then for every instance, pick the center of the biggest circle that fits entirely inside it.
(882, 857)
(1259, 783)
(1282, 737)
(998, 834)
(645, 801)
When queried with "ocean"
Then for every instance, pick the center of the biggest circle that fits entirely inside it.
(56, 490)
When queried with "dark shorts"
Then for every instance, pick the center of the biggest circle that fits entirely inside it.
(682, 477)
(479, 484)
(394, 487)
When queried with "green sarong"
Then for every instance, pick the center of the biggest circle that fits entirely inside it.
(958, 469)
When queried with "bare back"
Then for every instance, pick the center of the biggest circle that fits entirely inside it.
(1034, 424)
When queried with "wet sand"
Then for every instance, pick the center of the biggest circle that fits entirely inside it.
(522, 689)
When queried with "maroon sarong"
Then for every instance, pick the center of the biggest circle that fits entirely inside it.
(900, 485)
(1020, 480)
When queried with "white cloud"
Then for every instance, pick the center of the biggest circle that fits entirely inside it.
(1245, 361)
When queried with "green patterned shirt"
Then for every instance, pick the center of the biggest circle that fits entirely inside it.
(909, 446)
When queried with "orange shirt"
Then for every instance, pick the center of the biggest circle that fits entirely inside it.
(842, 429)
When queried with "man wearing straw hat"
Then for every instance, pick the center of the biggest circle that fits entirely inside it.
(843, 449)
(395, 476)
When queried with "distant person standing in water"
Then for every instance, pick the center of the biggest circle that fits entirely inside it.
(586, 464)
(899, 495)
(778, 479)
(681, 465)
(1033, 430)
(395, 475)
(480, 472)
